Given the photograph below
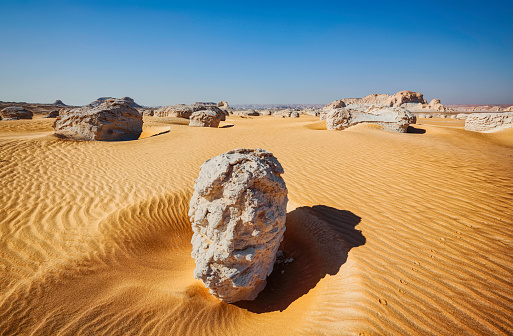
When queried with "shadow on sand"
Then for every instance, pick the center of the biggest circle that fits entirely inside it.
(414, 130)
(318, 239)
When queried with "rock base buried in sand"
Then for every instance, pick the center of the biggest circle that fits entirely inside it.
(15, 112)
(238, 213)
(205, 118)
(393, 119)
(489, 122)
(112, 120)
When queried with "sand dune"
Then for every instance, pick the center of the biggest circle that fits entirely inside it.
(390, 233)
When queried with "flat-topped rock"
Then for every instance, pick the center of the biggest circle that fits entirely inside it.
(238, 213)
(393, 119)
(489, 122)
(112, 120)
(16, 112)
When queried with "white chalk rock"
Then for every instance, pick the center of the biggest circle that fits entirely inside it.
(393, 119)
(489, 122)
(238, 213)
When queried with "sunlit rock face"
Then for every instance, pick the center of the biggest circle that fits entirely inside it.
(393, 119)
(489, 122)
(238, 213)
(112, 120)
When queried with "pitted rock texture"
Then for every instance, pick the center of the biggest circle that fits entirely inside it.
(489, 122)
(238, 213)
(205, 118)
(112, 120)
(393, 119)
(16, 112)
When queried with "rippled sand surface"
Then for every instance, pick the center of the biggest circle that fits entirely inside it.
(398, 234)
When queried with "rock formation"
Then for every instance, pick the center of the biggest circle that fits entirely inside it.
(508, 109)
(129, 101)
(393, 119)
(59, 102)
(294, 114)
(53, 114)
(185, 111)
(238, 213)
(15, 112)
(414, 101)
(205, 118)
(489, 122)
(223, 105)
(112, 120)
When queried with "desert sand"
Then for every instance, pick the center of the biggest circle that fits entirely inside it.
(390, 234)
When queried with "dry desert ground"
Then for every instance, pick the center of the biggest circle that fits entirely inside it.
(390, 233)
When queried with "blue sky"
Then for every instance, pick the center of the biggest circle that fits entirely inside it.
(167, 52)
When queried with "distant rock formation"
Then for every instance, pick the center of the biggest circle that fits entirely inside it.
(127, 100)
(238, 213)
(205, 118)
(414, 101)
(15, 113)
(489, 122)
(509, 109)
(53, 114)
(185, 111)
(462, 116)
(393, 119)
(205, 103)
(59, 102)
(114, 119)
(223, 105)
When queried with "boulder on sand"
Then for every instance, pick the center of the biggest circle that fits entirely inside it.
(205, 118)
(238, 213)
(16, 112)
(112, 120)
(489, 122)
(393, 119)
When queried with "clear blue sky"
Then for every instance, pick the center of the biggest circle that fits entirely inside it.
(167, 52)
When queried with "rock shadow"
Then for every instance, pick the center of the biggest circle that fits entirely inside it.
(316, 243)
(227, 126)
(414, 130)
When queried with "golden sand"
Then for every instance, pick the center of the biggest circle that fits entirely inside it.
(397, 234)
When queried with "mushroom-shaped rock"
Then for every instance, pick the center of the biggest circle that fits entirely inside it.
(489, 122)
(16, 112)
(393, 119)
(112, 120)
(223, 104)
(238, 213)
(205, 118)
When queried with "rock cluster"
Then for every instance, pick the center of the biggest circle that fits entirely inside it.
(186, 111)
(489, 122)
(114, 119)
(15, 112)
(238, 213)
(393, 119)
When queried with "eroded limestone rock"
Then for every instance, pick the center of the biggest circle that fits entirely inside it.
(393, 119)
(16, 112)
(205, 118)
(238, 213)
(112, 120)
(489, 122)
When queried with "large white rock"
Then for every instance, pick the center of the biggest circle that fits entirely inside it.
(238, 213)
(205, 118)
(114, 119)
(489, 122)
(393, 119)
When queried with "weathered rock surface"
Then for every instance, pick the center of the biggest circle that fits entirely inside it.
(53, 114)
(508, 109)
(436, 105)
(16, 112)
(205, 118)
(129, 101)
(112, 120)
(223, 104)
(393, 119)
(489, 122)
(294, 114)
(185, 111)
(404, 97)
(238, 213)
